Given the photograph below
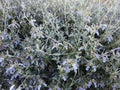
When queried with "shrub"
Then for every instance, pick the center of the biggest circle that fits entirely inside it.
(59, 45)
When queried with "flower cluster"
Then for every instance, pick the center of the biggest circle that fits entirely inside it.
(59, 45)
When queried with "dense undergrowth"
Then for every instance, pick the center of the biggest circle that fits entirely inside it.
(59, 45)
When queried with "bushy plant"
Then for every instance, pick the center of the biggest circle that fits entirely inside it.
(59, 45)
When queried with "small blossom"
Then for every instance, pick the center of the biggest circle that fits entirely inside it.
(100, 49)
(110, 38)
(31, 57)
(4, 36)
(11, 70)
(104, 59)
(42, 65)
(1, 59)
(89, 84)
(94, 68)
(23, 6)
(102, 84)
(64, 62)
(87, 68)
(30, 81)
(2, 64)
(78, 60)
(80, 88)
(9, 37)
(12, 45)
(57, 88)
(10, 81)
(64, 78)
(12, 87)
(80, 48)
(67, 69)
(75, 67)
(32, 22)
(79, 13)
(17, 75)
(96, 76)
(34, 35)
(39, 87)
(36, 63)
(44, 84)
(88, 29)
(50, 89)
(114, 87)
(97, 33)
(97, 56)
(104, 26)
(95, 84)
(89, 19)
(26, 63)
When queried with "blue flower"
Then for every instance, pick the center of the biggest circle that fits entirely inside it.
(94, 68)
(78, 60)
(114, 87)
(87, 68)
(39, 87)
(97, 56)
(88, 29)
(95, 84)
(43, 65)
(31, 57)
(75, 67)
(80, 88)
(104, 59)
(110, 38)
(11, 70)
(17, 75)
(89, 19)
(4, 36)
(102, 84)
(67, 69)
(26, 63)
(64, 78)
(97, 33)
(12, 45)
(64, 62)
(34, 35)
(1, 61)
(89, 84)
(104, 26)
